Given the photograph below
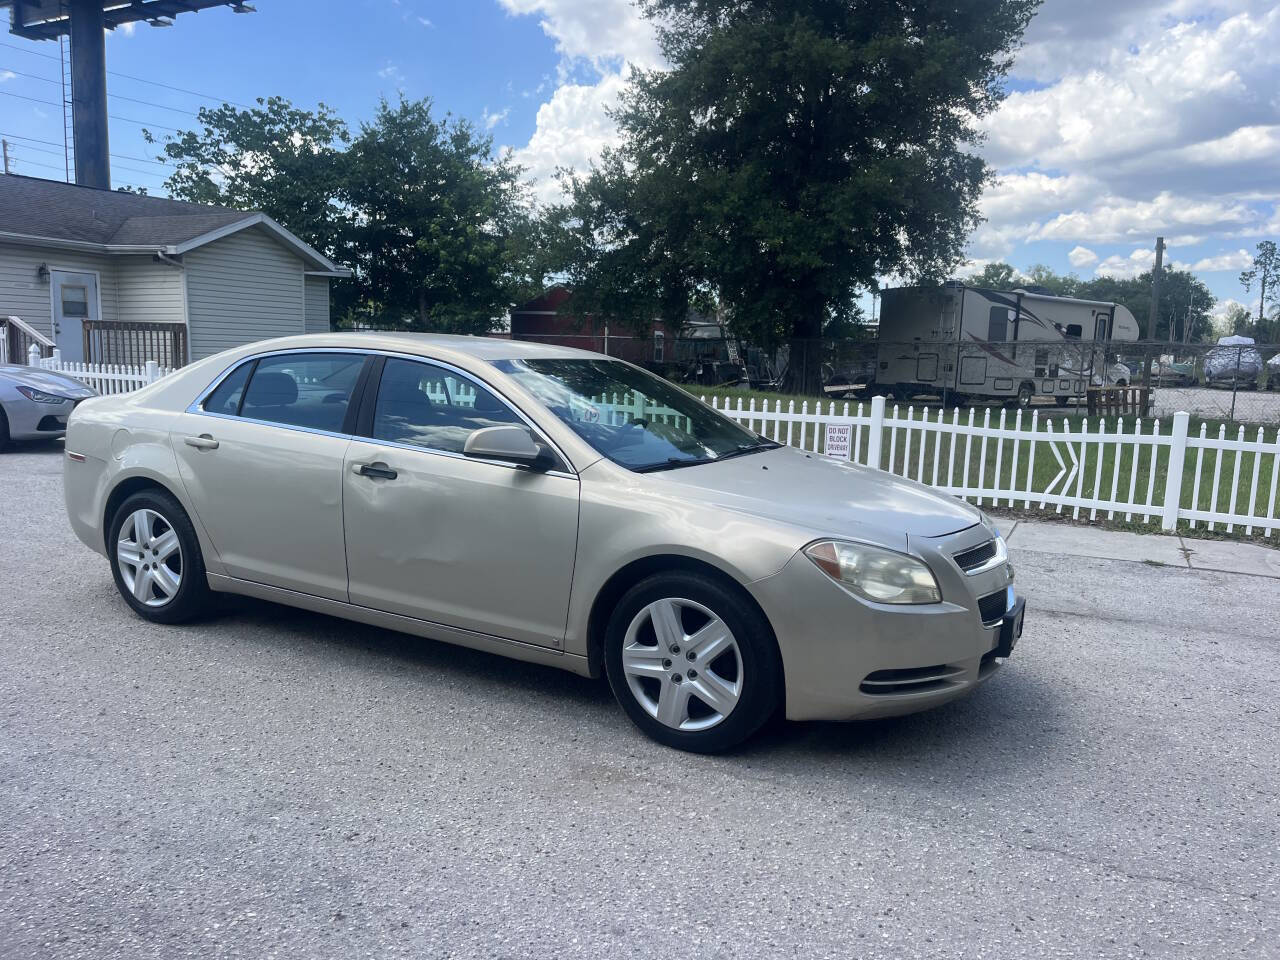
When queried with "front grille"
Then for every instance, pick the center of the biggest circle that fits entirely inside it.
(992, 607)
(910, 680)
(976, 556)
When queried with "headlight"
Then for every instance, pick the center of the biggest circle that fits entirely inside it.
(39, 396)
(880, 575)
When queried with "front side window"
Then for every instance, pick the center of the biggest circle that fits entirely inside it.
(311, 390)
(630, 416)
(429, 406)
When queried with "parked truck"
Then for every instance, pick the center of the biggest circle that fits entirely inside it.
(970, 343)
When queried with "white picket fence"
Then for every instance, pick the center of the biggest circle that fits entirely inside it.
(106, 378)
(1099, 466)
(1103, 466)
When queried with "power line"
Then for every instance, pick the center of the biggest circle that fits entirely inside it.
(114, 156)
(127, 76)
(53, 103)
(116, 96)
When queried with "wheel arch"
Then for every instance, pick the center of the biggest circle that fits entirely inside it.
(123, 490)
(630, 574)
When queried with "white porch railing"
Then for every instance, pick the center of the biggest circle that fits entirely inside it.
(106, 378)
(1032, 462)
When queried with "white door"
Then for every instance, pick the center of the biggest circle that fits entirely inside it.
(75, 299)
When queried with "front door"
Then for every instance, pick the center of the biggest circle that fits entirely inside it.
(261, 458)
(439, 536)
(75, 299)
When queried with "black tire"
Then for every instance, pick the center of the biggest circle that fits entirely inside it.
(4, 431)
(192, 597)
(1061, 401)
(760, 662)
(1025, 394)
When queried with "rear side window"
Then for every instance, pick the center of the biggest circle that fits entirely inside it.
(225, 399)
(429, 406)
(311, 390)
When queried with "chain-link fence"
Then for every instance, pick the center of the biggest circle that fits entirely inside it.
(1235, 383)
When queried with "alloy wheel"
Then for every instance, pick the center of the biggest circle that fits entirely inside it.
(682, 664)
(150, 557)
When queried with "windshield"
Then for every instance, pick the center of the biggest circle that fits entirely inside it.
(632, 417)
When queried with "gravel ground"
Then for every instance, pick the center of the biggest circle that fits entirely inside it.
(275, 783)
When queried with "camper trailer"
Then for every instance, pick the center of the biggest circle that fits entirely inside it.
(979, 344)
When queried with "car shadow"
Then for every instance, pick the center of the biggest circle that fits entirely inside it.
(1012, 721)
(356, 643)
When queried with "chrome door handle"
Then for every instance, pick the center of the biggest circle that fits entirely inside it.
(202, 442)
(379, 470)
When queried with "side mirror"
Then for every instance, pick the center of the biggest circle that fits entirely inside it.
(512, 444)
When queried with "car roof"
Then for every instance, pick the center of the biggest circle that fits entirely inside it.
(443, 346)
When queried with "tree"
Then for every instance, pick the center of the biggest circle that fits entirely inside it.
(995, 276)
(1186, 303)
(794, 151)
(438, 232)
(438, 220)
(1266, 273)
(277, 158)
(1238, 321)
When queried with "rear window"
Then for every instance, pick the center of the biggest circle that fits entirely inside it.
(311, 390)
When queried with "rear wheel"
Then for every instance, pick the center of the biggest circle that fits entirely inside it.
(1023, 400)
(693, 663)
(156, 560)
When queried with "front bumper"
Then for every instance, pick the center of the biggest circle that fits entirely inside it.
(29, 420)
(845, 659)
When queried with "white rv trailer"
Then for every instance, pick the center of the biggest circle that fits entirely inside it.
(988, 344)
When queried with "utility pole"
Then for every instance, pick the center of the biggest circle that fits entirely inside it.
(6, 155)
(1155, 302)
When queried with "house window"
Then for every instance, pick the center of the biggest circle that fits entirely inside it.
(658, 346)
(75, 301)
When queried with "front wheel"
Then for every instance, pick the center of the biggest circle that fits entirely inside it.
(692, 662)
(156, 560)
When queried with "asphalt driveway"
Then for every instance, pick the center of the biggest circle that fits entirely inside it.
(276, 783)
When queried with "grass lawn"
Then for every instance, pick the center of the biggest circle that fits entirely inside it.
(1120, 468)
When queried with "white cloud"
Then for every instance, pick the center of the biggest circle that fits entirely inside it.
(1139, 261)
(604, 36)
(1235, 262)
(1081, 256)
(6, 75)
(492, 120)
(425, 22)
(571, 131)
(127, 28)
(1137, 119)
(598, 31)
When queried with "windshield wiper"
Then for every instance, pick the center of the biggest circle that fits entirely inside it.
(673, 463)
(744, 448)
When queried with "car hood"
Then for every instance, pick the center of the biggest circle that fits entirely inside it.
(47, 380)
(831, 496)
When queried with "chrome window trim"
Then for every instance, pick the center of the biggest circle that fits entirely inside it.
(197, 406)
(502, 398)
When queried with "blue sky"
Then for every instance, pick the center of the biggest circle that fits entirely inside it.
(1124, 120)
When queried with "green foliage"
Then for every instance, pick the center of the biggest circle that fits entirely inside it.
(1265, 272)
(436, 218)
(796, 150)
(277, 158)
(437, 230)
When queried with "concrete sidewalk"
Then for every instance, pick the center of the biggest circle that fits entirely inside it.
(1223, 556)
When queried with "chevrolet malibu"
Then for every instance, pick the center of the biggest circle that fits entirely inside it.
(547, 504)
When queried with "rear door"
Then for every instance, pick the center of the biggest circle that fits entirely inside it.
(261, 457)
(435, 535)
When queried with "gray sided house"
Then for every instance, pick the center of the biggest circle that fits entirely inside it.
(112, 277)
